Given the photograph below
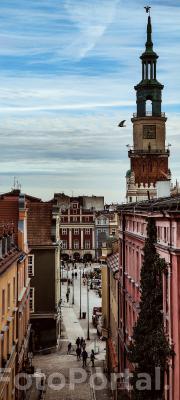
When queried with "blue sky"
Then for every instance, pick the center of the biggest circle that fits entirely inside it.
(67, 75)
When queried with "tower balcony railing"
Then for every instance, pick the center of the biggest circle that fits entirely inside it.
(133, 151)
(149, 114)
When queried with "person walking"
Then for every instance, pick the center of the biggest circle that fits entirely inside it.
(78, 353)
(81, 342)
(78, 341)
(67, 297)
(84, 357)
(69, 348)
(92, 357)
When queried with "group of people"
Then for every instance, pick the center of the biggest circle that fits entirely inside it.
(81, 351)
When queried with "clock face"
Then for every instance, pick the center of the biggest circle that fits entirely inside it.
(149, 132)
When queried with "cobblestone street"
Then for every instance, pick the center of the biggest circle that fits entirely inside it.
(59, 366)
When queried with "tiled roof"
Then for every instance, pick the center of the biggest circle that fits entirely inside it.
(113, 262)
(39, 224)
(9, 214)
(9, 259)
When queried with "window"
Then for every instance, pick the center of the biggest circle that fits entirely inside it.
(74, 211)
(64, 244)
(3, 302)
(165, 234)
(113, 232)
(86, 219)
(30, 265)
(64, 231)
(14, 289)
(87, 244)
(75, 205)
(76, 231)
(31, 300)
(76, 244)
(8, 295)
(87, 231)
(75, 219)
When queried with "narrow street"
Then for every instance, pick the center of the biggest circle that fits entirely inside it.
(61, 368)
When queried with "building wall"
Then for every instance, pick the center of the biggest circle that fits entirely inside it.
(131, 248)
(43, 283)
(14, 291)
(8, 321)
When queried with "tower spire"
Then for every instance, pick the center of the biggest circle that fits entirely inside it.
(149, 43)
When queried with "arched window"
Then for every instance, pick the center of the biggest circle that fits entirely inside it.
(148, 107)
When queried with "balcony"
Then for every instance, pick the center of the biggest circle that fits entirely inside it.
(149, 114)
(134, 152)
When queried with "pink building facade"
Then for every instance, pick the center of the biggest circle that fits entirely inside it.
(133, 222)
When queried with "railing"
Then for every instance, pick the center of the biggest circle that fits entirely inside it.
(149, 114)
(149, 151)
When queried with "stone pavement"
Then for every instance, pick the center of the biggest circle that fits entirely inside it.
(58, 365)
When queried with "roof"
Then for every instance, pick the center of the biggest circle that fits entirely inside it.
(170, 204)
(39, 223)
(113, 262)
(9, 215)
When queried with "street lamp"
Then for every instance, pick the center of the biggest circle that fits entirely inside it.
(80, 295)
(88, 337)
(73, 287)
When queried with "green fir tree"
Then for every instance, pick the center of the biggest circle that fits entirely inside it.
(150, 351)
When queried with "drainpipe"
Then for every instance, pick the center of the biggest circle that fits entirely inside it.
(17, 326)
(170, 310)
(109, 320)
(124, 284)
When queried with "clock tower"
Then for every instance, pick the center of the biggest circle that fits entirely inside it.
(149, 155)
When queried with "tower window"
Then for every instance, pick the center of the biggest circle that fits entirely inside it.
(149, 107)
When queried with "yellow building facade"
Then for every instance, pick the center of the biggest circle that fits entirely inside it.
(14, 294)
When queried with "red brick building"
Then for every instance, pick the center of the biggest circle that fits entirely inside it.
(77, 225)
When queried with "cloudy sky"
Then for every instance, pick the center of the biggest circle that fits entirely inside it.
(67, 72)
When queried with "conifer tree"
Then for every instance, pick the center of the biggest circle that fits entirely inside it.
(149, 351)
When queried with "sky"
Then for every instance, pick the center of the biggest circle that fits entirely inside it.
(67, 75)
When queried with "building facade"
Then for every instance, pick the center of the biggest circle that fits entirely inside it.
(14, 293)
(149, 175)
(133, 222)
(77, 225)
(44, 271)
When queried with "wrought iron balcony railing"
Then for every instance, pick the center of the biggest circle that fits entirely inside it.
(149, 114)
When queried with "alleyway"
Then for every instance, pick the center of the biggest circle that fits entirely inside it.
(59, 367)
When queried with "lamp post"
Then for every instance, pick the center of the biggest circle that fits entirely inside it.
(80, 295)
(73, 288)
(88, 337)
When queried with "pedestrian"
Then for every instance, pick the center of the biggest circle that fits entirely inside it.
(72, 275)
(84, 344)
(67, 297)
(69, 348)
(78, 352)
(84, 357)
(78, 341)
(92, 357)
(81, 342)
(76, 275)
